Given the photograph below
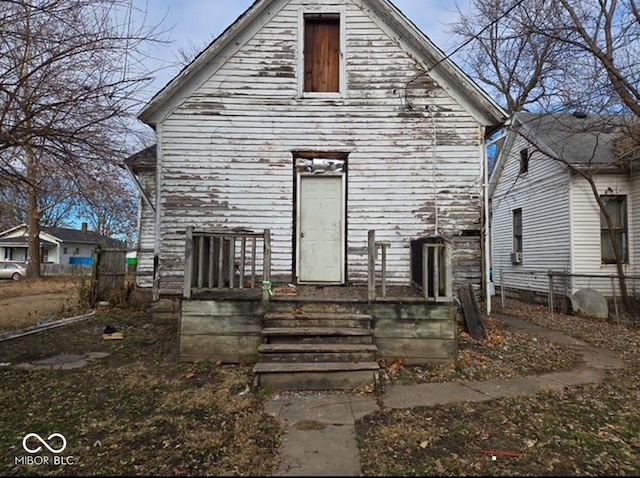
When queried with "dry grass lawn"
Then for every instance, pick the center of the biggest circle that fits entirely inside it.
(28, 302)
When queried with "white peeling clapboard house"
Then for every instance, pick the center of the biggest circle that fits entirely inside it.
(320, 132)
(545, 216)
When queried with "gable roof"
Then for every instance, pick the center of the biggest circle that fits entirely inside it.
(144, 160)
(74, 235)
(580, 141)
(587, 140)
(60, 235)
(488, 111)
(22, 242)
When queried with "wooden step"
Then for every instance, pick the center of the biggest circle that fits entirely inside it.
(316, 331)
(262, 367)
(317, 335)
(328, 348)
(277, 319)
(316, 353)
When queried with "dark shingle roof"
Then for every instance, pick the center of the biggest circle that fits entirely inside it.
(578, 140)
(74, 235)
(23, 242)
(144, 160)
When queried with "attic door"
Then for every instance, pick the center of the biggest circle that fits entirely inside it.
(321, 222)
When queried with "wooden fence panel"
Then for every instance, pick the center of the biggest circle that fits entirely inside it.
(110, 269)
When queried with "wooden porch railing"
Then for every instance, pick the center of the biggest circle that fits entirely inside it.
(373, 247)
(431, 268)
(225, 260)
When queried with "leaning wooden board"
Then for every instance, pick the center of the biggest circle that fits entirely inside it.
(471, 311)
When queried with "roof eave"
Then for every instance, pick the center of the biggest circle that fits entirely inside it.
(492, 115)
(201, 61)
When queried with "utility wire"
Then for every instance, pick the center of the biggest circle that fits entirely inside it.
(461, 46)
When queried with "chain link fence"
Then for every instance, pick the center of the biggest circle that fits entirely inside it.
(556, 288)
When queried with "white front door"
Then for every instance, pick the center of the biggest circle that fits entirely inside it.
(321, 229)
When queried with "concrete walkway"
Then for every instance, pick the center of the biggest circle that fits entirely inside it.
(320, 438)
(63, 361)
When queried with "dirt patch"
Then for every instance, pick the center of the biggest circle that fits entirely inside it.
(28, 302)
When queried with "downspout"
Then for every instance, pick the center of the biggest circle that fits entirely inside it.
(158, 211)
(433, 170)
(487, 245)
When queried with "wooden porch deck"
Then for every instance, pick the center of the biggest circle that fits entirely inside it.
(316, 293)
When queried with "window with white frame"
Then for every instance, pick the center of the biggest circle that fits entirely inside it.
(517, 230)
(616, 207)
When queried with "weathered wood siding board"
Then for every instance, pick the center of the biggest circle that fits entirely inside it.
(227, 150)
(144, 270)
(230, 331)
(543, 195)
(226, 331)
(586, 224)
(223, 348)
(206, 325)
(415, 329)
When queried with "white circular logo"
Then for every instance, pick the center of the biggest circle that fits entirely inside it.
(44, 443)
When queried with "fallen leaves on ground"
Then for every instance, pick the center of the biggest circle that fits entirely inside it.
(589, 429)
(502, 355)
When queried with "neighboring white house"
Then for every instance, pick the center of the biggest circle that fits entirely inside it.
(545, 216)
(319, 121)
(57, 245)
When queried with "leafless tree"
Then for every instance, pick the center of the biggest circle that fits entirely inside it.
(112, 215)
(70, 75)
(507, 54)
(550, 55)
(106, 202)
(558, 55)
(56, 203)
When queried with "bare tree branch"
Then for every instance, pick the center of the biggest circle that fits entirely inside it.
(71, 74)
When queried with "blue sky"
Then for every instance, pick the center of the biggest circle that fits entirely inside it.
(198, 22)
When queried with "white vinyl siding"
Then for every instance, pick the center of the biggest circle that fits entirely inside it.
(543, 195)
(586, 213)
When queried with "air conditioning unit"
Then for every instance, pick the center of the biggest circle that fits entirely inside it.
(516, 257)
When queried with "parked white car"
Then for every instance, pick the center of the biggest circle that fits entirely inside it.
(12, 271)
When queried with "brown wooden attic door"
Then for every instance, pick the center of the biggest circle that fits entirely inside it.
(322, 54)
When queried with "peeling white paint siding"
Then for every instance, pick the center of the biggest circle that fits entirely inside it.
(227, 151)
(543, 195)
(144, 277)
